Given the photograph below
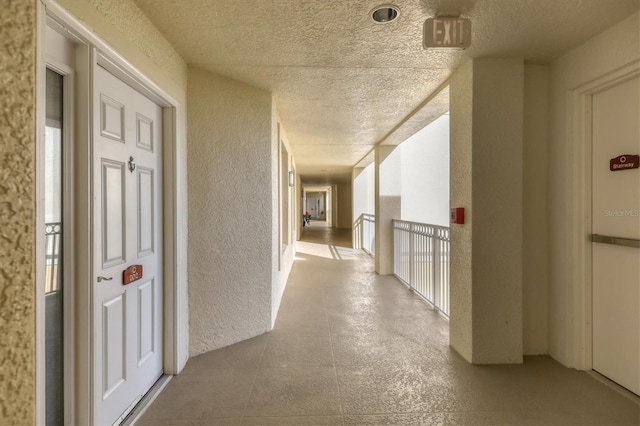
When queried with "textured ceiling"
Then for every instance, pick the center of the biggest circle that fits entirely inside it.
(343, 83)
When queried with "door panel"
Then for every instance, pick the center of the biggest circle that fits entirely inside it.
(145, 212)
(113, 324)
(144, 132)
(616, 212)
(145, 321)
(127, 341)
(113, 213)
(112, 119)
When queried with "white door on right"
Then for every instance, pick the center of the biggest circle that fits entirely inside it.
(616, 229)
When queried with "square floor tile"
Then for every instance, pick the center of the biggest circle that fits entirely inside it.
(367, 349)
(302, 322)
(297, 349)
(190, 422)
(409, 419)
(294, 421)
(216, 394)
(245, 354)
(294, 391)
(403, 388)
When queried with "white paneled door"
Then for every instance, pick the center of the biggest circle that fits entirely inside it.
(127, 232)
(616, 225)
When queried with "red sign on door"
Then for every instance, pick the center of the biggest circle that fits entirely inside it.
(624, 162)
(131, 274)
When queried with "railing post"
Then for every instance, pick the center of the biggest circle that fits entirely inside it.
(396, 247)
(373, 239)
(421, 254)
(412, 260)
(360, 232)
(367, 233)
(436, 270)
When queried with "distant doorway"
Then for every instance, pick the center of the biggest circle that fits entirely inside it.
(316, 205)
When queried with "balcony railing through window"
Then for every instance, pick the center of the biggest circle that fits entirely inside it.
(421, 260)
(53, 260)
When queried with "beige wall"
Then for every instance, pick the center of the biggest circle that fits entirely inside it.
(343, 206)
(460, 170)
(535, 285)
(616, 47)
(124, 27)
(281, 266)
(231, 210)
(548, 257)
(17, 211)
(333, 210)
(489, 186)
(387, 204)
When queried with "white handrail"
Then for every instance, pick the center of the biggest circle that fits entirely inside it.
(421, 260)
(364, 230)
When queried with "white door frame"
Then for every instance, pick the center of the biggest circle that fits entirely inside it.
(60, 66)
(580, 344)
(78, 393)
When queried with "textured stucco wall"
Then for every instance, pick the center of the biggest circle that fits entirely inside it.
(363, 187)
(618, 46)
(460, 168)
(122, 25)
(535, 286)
(360, 192)
(125, 28)
(280, 266)
(343, 205)
(17, 211)
(332, 210)
(491, 180)
(498, 103)
(230, 212)
(425, 174)
(388, 205)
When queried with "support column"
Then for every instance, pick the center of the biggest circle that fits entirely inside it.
(487, 110)
(388, 205)
(359, 194)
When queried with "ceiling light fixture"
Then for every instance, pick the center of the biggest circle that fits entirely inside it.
(384, 14)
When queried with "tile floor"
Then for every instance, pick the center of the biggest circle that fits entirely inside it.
(354, 348)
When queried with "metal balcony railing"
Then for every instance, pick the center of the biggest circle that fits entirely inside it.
(53, 258)
(364, 230)
(421, 260)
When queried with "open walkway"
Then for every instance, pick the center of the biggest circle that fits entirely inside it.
(354, 348)
(319, 232)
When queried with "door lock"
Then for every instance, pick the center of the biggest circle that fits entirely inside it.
(132, 164)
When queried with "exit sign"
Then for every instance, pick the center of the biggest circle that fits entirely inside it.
(447, 32)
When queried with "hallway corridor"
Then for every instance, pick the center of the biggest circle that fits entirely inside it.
(354, 348)
(321, 233)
